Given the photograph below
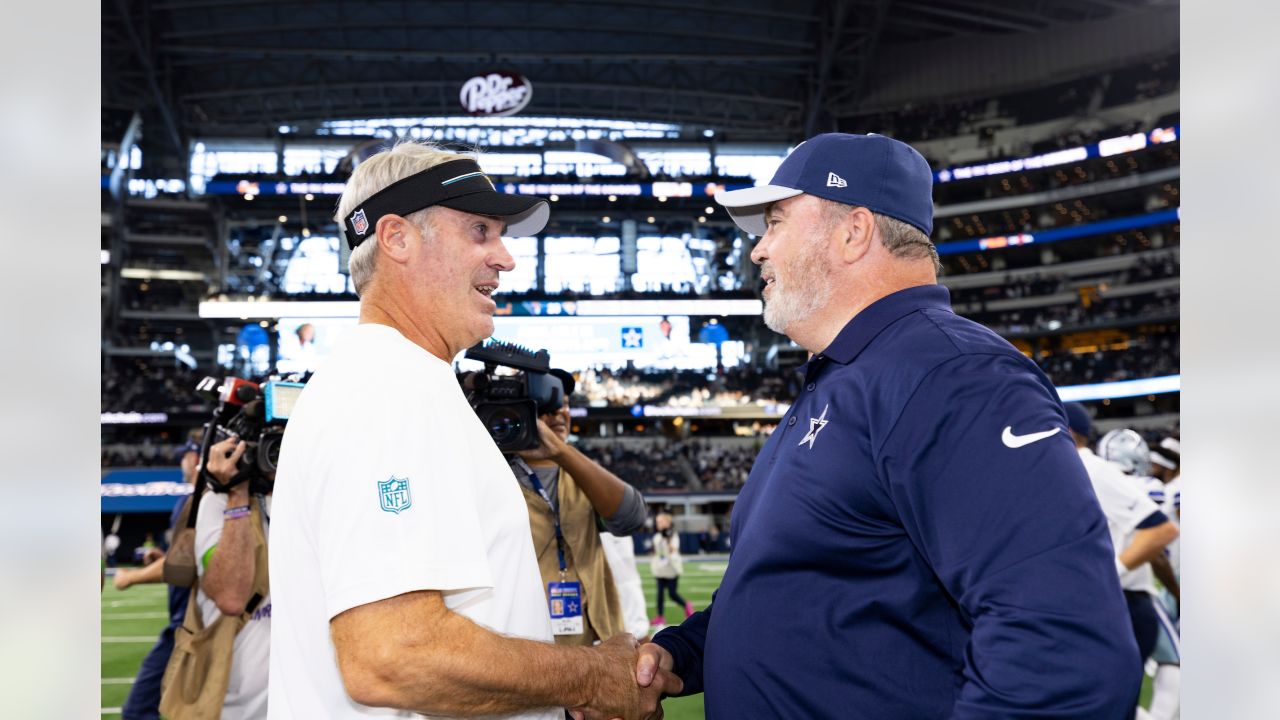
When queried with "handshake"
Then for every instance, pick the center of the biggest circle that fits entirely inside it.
(629, 681)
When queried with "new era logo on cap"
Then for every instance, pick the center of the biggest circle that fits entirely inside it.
(834, 180)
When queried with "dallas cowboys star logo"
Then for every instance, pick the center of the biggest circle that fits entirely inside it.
(815, 427)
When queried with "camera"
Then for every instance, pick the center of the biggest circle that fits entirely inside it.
(256, 413)
(509, 404)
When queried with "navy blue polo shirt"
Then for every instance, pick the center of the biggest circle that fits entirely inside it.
(917, 539)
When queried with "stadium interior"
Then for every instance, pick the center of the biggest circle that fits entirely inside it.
(228, 130)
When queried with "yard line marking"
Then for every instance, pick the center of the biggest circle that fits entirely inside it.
(127, 603)
(135, 616)
(117, 681)
(111, 711)
(129, 639)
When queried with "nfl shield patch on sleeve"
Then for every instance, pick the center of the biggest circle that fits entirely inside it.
(394, 496)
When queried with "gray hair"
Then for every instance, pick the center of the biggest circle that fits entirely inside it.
(901, 239)
(404, 159)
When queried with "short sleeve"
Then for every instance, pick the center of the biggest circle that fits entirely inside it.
(208, 527)
(394, 511)
(1125, 501)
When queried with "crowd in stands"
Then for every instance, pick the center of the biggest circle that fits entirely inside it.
(142, 453)
(684, 388)
(1146, 269)
(1153, 357)
(656, 466)
(721, 467)
(1098, 313)
(1084, 248)
(150, 387)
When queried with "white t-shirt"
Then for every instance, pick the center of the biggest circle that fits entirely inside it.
(389, 484)
(620, 553)
(1126, 505)
(251, 654)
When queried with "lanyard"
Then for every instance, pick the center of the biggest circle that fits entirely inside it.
(555, 511)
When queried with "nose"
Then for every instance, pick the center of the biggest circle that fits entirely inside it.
(760, 253)
(502, 259)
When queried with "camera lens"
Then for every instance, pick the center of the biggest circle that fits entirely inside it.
(269, 451)
(505, 425)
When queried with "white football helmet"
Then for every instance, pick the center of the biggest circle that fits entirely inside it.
(1127, 449)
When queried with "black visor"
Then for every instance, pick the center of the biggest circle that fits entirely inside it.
(457, 184)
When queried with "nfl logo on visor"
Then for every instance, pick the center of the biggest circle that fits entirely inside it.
(359, 222)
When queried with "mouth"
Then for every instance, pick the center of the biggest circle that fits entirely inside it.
(486, 290)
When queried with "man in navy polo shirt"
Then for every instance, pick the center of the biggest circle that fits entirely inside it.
(918, 538)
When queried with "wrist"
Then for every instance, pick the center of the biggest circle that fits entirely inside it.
(593, 665)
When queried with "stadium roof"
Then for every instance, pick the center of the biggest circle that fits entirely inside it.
(755, 69)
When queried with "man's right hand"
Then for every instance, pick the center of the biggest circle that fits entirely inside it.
(617, 694)
(653, 670)
(123, 579)
(223, 457)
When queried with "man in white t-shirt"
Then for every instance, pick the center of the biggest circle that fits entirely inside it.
(402, 568)
(225, 553)
(1139, 530)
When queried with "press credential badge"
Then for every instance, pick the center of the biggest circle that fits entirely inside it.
(566, 607)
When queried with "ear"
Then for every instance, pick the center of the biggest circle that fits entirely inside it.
(858, 231)
(394, 235)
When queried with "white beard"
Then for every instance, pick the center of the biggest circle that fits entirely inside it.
(811, 274)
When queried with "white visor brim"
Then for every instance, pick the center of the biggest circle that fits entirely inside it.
(747, 206)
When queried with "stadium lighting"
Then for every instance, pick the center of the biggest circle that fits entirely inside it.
(1122, 389)
(555, 198)
(283, 218)
(613, 198)
(606, 218)
(309, 196)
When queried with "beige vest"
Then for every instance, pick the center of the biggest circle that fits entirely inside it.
(584, 556)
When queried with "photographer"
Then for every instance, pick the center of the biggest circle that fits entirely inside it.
(402, 563)
(226, 564)
(577, 490)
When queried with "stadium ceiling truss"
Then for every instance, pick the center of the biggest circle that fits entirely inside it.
(752, 69)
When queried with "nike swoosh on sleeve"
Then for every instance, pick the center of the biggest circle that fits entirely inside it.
(1016, 441)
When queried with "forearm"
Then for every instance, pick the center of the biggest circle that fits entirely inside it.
(604, 489)
(228, 577)
(448, 665)
(1163, 570)
(128, 577)
(1147, 544)
(153, 573)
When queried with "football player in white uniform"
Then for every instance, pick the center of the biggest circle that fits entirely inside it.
(1166, 483)
(1140, 531)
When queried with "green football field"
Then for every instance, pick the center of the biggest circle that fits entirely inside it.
(132, 619)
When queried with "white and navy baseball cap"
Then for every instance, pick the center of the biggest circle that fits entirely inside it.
(881, 174)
